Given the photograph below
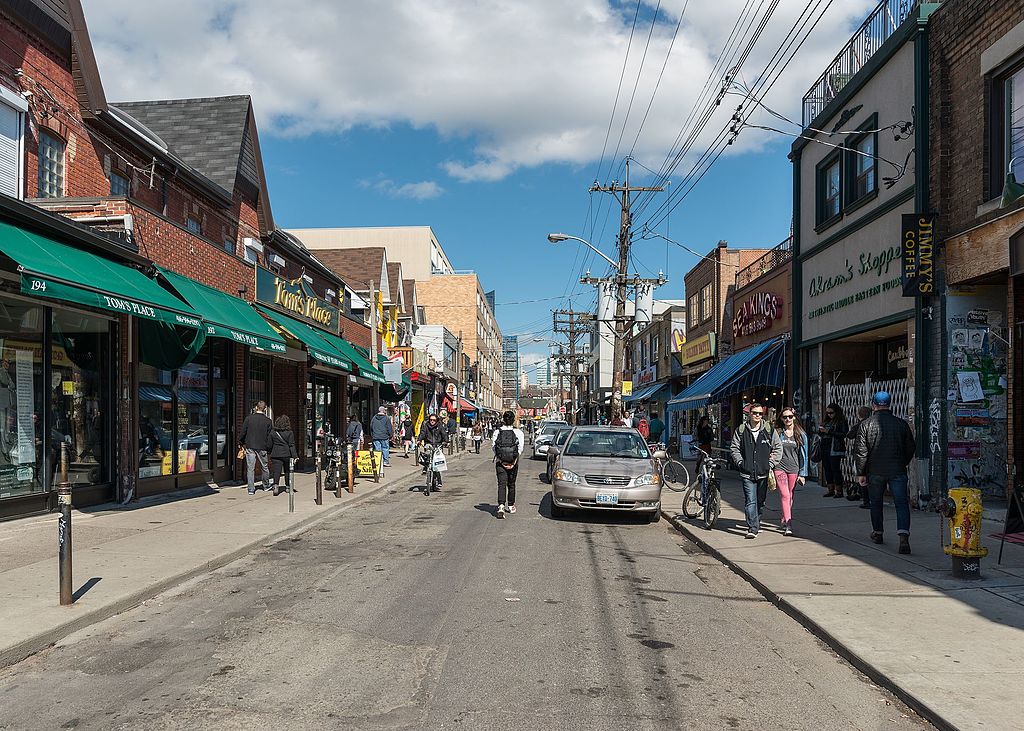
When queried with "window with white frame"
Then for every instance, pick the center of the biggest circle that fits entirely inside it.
(12, 126)
(51, 166)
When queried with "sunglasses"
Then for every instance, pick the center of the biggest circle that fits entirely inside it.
(757, 413)
(787, 416)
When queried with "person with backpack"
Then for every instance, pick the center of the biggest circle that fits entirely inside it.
(788, 462)
(751, 450)
(282, 452)
(509, 445)
(478, 434)
(381, 432)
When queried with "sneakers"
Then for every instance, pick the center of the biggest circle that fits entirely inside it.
(787, 531)
(876, 536)
(501, 511)
(511, 508)
(904, 543)
(750, 534)
(252, 492)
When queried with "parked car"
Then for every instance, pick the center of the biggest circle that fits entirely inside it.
(559, 443)
(605, 468)
(545, 434)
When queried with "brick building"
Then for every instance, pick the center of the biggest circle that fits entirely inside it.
(976, 64)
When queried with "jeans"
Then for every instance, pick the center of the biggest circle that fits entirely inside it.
(384, 446)
(281, 467)
(755, 492)
(900, 497)
(251, 456)
(506, 483)
(786, 482)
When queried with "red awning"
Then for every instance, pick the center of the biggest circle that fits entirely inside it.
(465, 405)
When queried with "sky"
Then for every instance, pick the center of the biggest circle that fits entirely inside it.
(489, 120)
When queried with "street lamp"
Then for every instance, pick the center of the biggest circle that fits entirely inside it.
(557, 238)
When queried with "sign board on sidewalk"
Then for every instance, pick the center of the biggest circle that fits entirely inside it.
(366, 461)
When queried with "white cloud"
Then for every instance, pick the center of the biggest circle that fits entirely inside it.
(421, 191)
(523, 83)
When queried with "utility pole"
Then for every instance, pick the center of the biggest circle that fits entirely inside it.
(373, 325)
(573, 324)
(621, 279)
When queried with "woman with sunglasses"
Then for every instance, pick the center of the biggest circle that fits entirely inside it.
(788, 462)
(833, 448)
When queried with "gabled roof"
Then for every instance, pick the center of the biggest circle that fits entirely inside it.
(358, 267)
(216, 136)
(395, 285)
(409, 297)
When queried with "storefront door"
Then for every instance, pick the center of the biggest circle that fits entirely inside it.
(322, 408)
(222, 408)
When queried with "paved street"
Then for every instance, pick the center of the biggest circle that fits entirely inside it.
(416, 612)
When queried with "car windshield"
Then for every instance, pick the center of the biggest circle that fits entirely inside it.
(561, 436)
(607, 444)
(547, 431)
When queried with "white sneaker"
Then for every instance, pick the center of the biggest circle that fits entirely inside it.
(750, 534)
(788, 531)
(511, 508)
(501, 511)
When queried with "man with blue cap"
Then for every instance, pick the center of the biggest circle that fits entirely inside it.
(883, 449)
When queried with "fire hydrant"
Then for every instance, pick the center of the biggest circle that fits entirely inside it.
(963, 508)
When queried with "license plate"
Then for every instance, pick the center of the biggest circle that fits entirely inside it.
(607, 498)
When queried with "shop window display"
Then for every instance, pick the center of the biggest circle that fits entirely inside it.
(24, 450)
(156, 422)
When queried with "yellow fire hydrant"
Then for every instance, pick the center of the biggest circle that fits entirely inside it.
(963, 509)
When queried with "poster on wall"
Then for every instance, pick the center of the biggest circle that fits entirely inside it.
(26, 406)
(969, 383)
(964, 450)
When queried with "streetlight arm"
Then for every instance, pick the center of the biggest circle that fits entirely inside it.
(556, 238)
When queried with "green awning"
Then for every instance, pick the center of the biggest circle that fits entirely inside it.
(58, 271)
(226, 316)
(319, 343)
(359, 357)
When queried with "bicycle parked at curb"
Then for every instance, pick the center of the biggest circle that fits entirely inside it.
(674, 474)
(704, 497)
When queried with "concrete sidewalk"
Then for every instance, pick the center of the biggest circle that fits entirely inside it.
(124, 555)
(952, 649)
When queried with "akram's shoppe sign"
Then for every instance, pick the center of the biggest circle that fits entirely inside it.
(756, 314)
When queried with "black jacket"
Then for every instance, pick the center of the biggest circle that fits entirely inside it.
(284, 444)
(436, 436)
(885, 445)
(255, 432)
(751, 458)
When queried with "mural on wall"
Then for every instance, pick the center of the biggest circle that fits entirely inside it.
(976, 389)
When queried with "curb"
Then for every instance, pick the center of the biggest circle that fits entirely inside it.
(918, 705)
(42, 641)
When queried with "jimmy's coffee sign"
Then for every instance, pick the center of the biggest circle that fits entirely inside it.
(296, 298)
(918, 255)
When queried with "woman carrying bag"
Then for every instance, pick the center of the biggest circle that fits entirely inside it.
(788, 462)
(282, 451)
(833, 448)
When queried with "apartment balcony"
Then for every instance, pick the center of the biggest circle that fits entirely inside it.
(883, 21)
(769, 262)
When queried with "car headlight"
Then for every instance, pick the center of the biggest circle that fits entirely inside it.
(567, 476)
(649, 479)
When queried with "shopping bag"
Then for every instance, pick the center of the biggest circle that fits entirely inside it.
(440, 464)
(241, 453)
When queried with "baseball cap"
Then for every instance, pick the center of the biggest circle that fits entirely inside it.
(881, 398)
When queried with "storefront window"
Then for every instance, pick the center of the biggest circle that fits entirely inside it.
(193, 415)
(220, 370)
(80, 376)
(259, 381)
(25, 453)
(156, 425)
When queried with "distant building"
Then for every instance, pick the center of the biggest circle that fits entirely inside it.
(415, 246)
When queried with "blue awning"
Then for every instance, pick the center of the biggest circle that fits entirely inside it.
(647, 393)
(762, 365)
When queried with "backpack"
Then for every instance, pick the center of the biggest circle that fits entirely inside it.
(506, 446)
(644, 428)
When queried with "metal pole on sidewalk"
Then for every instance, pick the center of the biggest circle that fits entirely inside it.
(291, 485)
(348, 462)
(64, 530)
(319, 499)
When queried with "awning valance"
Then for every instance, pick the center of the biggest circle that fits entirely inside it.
(646, 393)
(762, 365)
(226, 316)
(467, 405)
(320, 344)
(362, 361)
(55, 270)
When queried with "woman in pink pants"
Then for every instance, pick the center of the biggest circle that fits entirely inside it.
(788, 461)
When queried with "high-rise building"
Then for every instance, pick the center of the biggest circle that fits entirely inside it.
(511, 381)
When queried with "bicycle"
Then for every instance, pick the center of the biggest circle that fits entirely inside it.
(428, 458)
(674, 474)
(708, 499)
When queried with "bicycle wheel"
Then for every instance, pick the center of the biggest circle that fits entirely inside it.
(675, 476)
(712, 506)
(430, 482)
(691, 502)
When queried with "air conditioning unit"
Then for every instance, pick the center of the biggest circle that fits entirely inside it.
(277, 261)
(254, 244)
(309, 279)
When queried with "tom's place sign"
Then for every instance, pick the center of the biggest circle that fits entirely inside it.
(918, 255)
(296, 298)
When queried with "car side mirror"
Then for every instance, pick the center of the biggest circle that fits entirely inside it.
(661, 454)
(553, 450)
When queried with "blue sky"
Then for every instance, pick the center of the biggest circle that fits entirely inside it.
(489, 120)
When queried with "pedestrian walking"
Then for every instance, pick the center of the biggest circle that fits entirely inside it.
(381, 432)
(618, 420)
(478, 435)
(833, 448)
(282, 452)
(751, 450)
(705, 434)
(788, 461)
(657, 427)
(256, 439)
(408, 432)
(861, 493)
(885, 445)
(354, 432)
(509, 445)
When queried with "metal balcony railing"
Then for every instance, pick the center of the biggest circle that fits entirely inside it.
(880, 24)
(762, 265)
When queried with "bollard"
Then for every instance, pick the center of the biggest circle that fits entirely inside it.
(350, 469)
(963, 509)
(337, 477)
(64, 530)
(319, 499)
(291, 485)
(378, 467)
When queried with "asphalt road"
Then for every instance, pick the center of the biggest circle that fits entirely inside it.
(419, 612)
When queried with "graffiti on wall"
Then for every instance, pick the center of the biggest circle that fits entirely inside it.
(976, 395)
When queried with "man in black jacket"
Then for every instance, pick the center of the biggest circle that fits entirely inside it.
(883, 449)
(751, 448)
(255, 437)
(434, 433)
